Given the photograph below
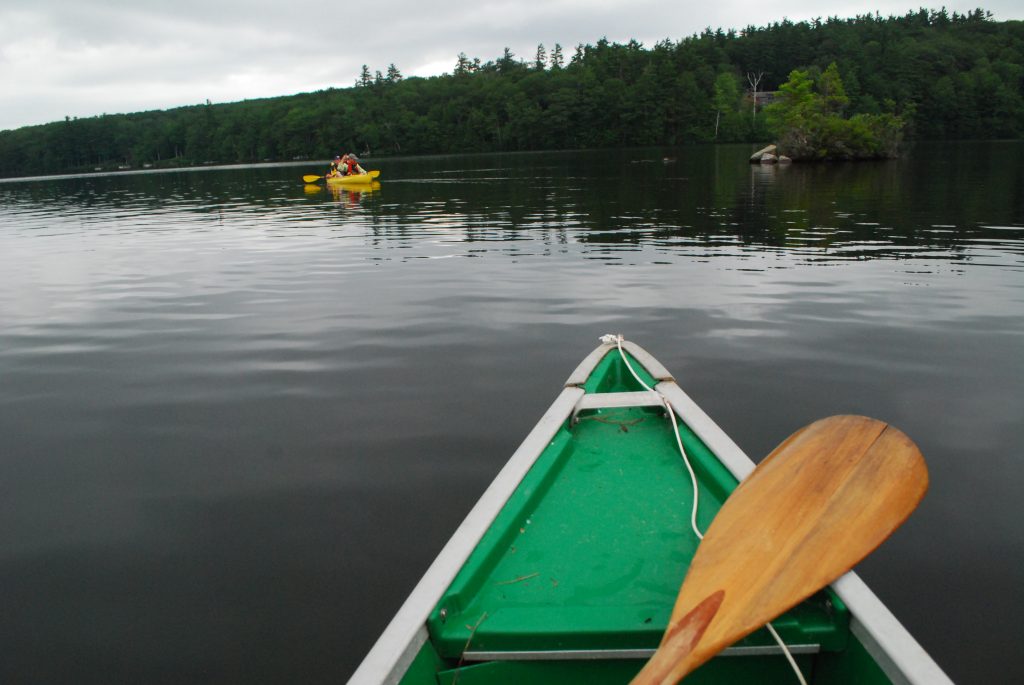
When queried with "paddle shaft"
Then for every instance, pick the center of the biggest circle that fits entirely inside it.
(819, 503)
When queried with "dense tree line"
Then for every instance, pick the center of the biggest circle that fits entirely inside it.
(946, 75)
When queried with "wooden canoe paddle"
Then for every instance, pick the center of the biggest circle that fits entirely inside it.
(820, 502)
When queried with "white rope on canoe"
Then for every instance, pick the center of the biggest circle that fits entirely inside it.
(785, 650)
(617, 340)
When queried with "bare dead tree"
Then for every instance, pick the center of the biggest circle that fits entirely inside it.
(754, 80)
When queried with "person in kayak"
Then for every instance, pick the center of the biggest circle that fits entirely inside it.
(337, 167)
(352, 165)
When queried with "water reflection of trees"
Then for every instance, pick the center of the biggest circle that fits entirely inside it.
(708, 200)
(703, 200)
(926, 201)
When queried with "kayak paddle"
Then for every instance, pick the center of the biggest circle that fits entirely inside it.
(819, 503)
(310, 178)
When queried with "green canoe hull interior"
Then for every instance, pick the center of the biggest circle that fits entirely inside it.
(588, 554)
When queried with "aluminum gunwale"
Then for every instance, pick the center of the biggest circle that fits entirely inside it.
(895, 650)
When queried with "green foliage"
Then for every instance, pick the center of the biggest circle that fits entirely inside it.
(728, 99)
(807, 118)
(944, 75)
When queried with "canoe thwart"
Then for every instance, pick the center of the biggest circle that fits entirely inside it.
(616, 400)
(639, 653)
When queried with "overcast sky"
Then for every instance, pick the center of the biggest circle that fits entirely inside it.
(81, 58)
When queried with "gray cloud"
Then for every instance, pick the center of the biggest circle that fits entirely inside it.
(95, 56)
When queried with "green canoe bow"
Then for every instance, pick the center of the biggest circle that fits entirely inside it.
(567, 569)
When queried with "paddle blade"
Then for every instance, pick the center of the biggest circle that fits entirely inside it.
(818, 504)
(311, 178)
(374, 173)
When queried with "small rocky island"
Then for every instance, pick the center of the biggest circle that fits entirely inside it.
(810, 119)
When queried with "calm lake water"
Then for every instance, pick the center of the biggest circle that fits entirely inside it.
(240, 416)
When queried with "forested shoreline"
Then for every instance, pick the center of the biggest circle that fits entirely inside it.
(946, 76)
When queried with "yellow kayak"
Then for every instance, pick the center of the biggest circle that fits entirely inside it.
(354, 179)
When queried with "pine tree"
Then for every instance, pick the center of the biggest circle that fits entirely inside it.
(364, 77)
(507, 61)
(556, 57)
(540, 61)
